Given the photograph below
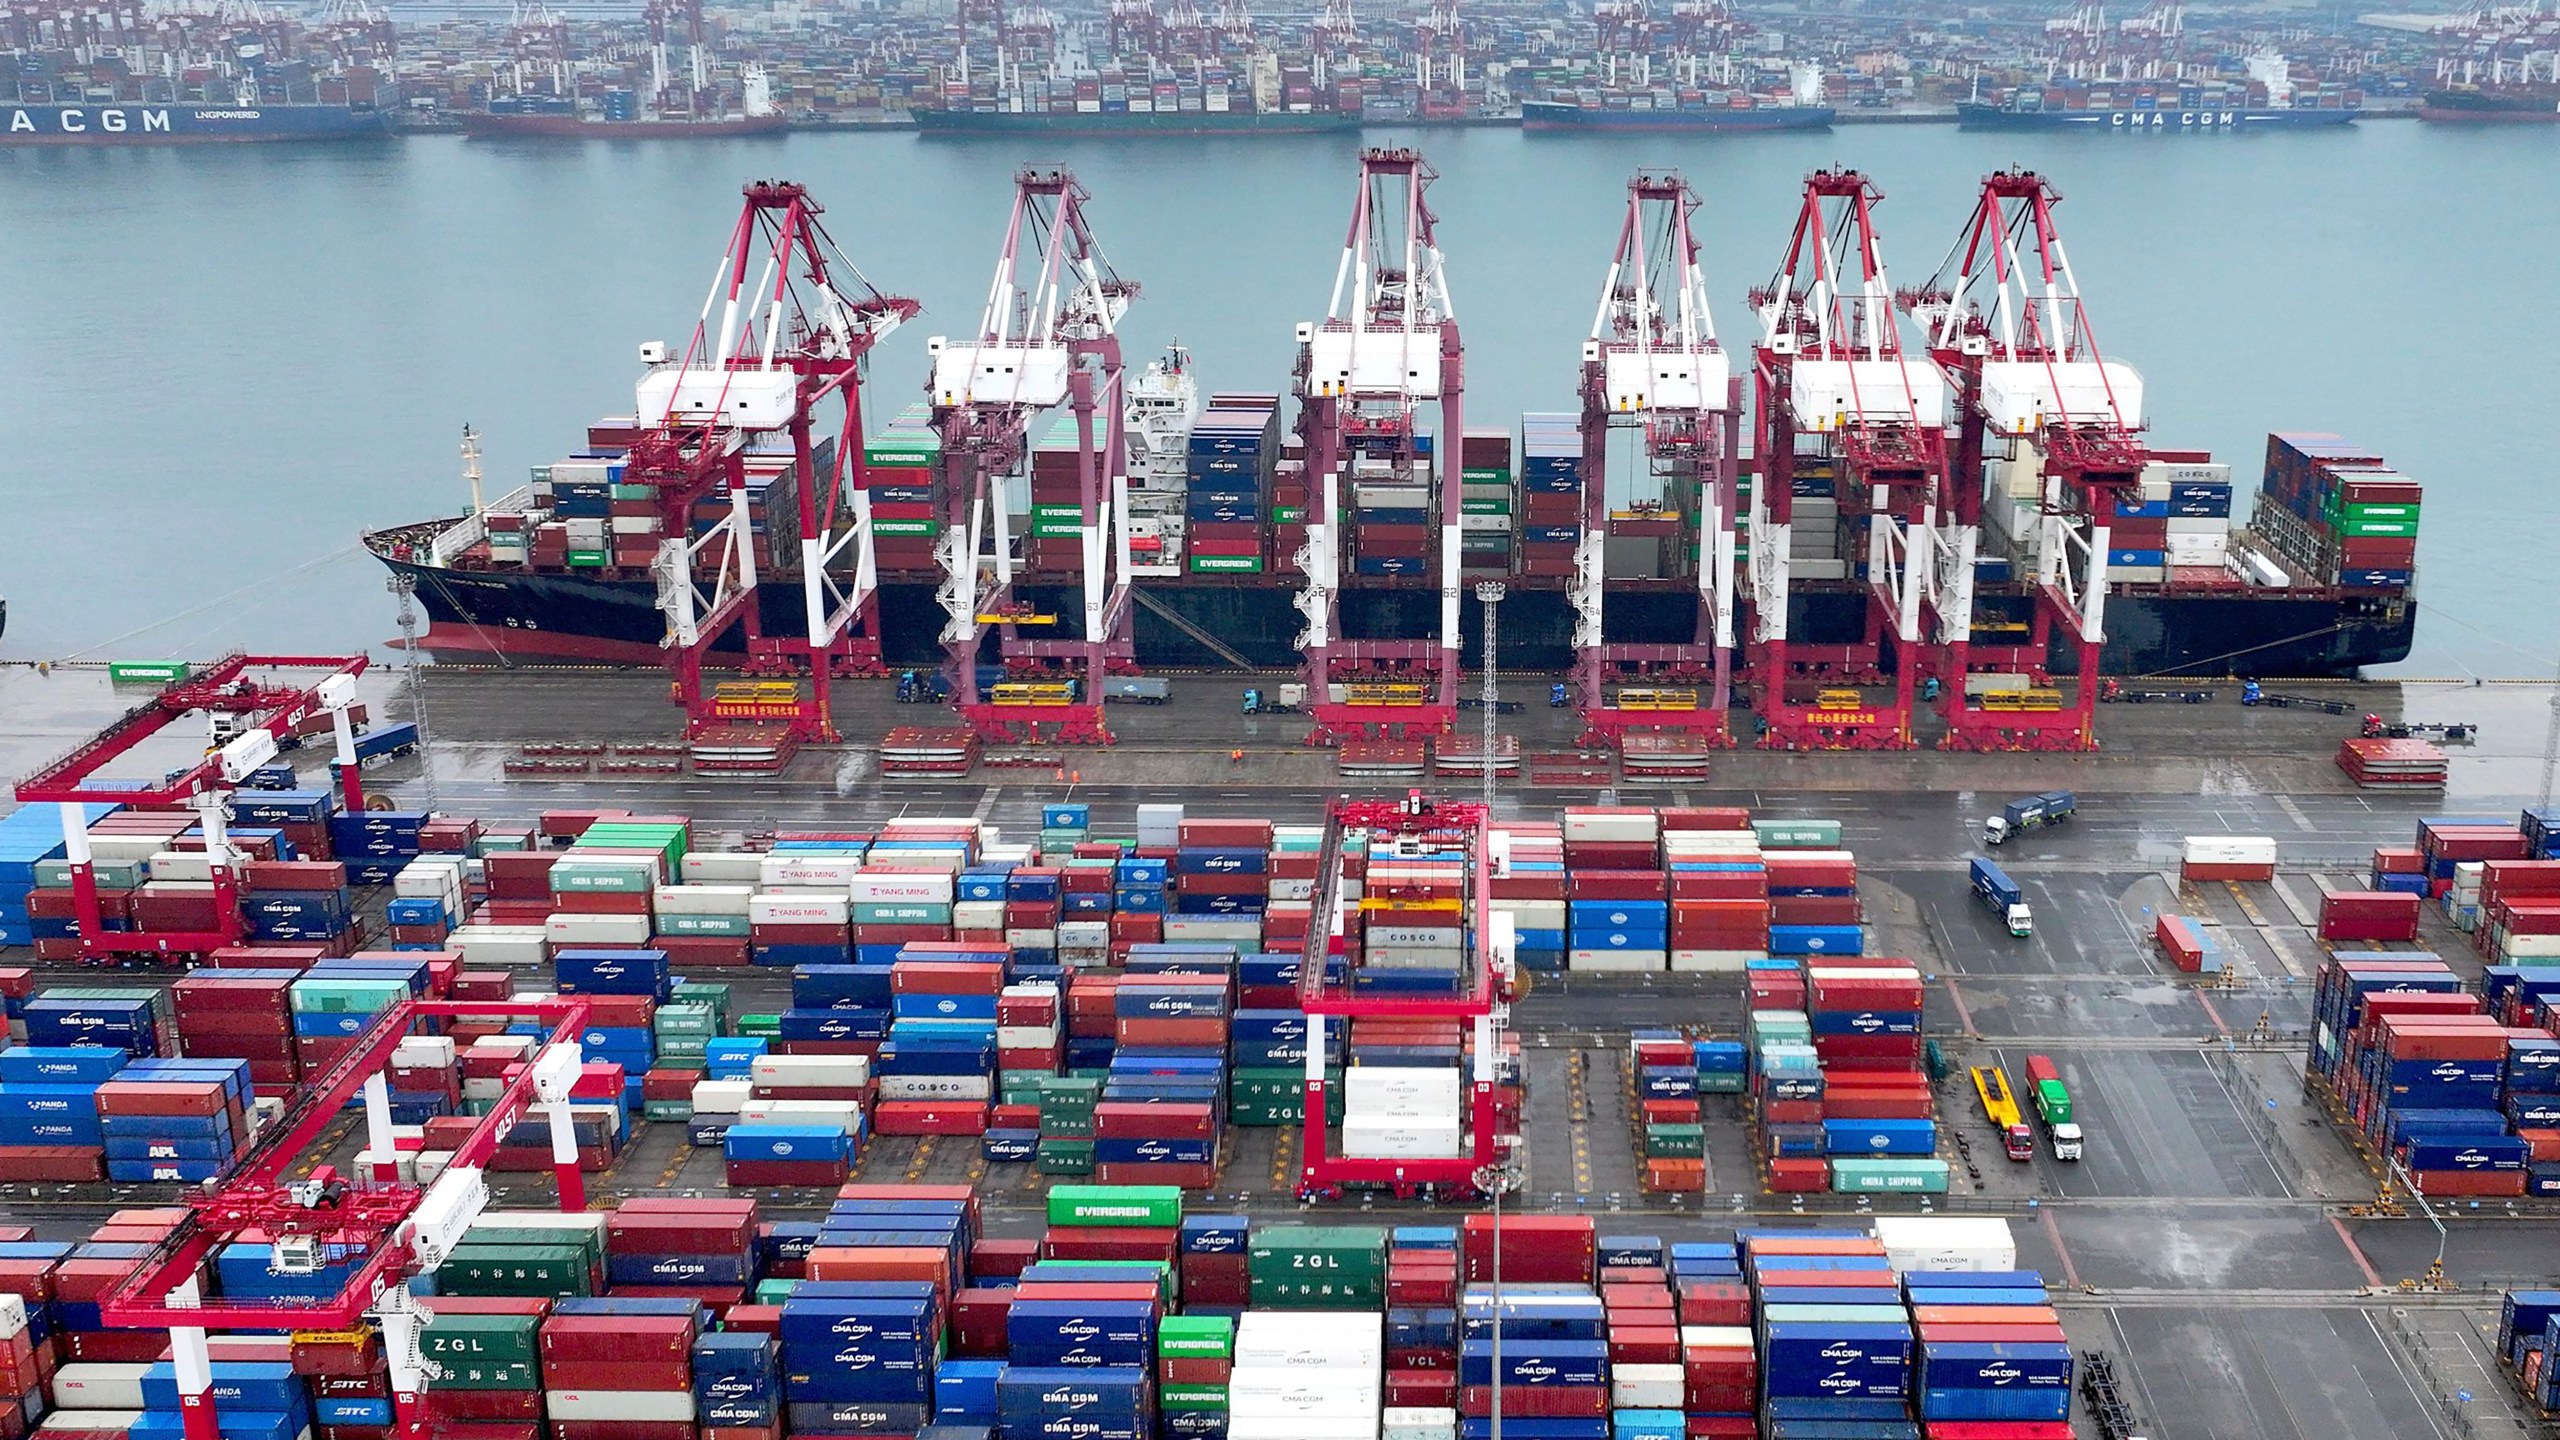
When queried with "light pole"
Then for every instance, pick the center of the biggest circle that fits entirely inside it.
(1496, 1180)
(404, 587)
(1489, 594)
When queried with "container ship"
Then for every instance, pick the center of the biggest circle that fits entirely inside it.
(1684, 109)
(2279, 598)
(620, 115)
(2492, 105)
(1260, 96)
(187, 124)
(2268, 99)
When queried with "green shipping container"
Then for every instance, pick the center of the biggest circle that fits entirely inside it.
(1901, 1177)
(1489, 505)
(1288, 514)
(733, 927)
(588, 1241)
(1259, 1095)
(871, 912)
(1196, 1337)
(768, 1027)
(587, 559)
(1485, 475)
(911, 529)
(147, 672)
(1063, 1157)
(679, 1110)
(1675, 1142)
(1317, 1267)
(1145, 1206)
(2378, 529)
(2053, 1101)
(1226, 564)
(1191, 1397)
(1019, 1087)
(1797, 834)
(553, 1270)
(345, 997)
(482, 1339)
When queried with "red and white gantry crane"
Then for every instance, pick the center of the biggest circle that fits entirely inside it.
(1843, 408)
(1049, 337)
(2006, 324)
(1387, 348)
(1653, 369)
(783, 332)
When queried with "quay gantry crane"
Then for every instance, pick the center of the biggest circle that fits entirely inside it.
(2006, 324)
(1387, 347)
(1653, 368)
(248, 715)
(1840, 403)
(784, 330)
(382, 1230)
(1414, 825)
(1050, 336)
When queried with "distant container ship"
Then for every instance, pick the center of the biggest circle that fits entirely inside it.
(187, 123)
(2268, 99)
(1590, 111)
(2490, 105)
(1127, 122)
(620, 117)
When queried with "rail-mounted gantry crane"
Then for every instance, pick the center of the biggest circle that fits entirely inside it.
(1049, 337)
(1654, 371)
(1853, 425)
(1386, 351)
(783, 332)
(2006, 324)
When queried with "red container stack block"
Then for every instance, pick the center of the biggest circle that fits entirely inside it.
(2368, 915)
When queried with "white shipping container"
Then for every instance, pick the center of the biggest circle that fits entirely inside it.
(977, 915)
(13, 1316)
(780, 908)
(1352, 1340)
(1715, 1337)
(1159, 826)
(1292, 889)
(1028, 938)
(723, 867)
(485, 945)
(1400, 1090)
(564, 929)
(112, 1421)
(902, 888)
(1647, 1387)
(946, 863)
(1398, 1137)
(845, 1115)
(424, 1052)
(621, 1406)
(2230, 850)
(1618, 824)
(1620, 962)
(703, 899)
(1244, 929)
(1273, 1394)
(808, 870)
(1416, 937)
(1947, 1242)
(1418, 1422)
(122, 849)
(193, 865)
(98, 1385)
(2529, 947)
(784, 1071)
(721, 1097)
(1026, 1037)
(1245, 1425)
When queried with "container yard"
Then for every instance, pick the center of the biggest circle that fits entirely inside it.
(1016, 1102)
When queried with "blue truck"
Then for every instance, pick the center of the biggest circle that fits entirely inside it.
(2001, 896)
(384, 743)
(2053, 807)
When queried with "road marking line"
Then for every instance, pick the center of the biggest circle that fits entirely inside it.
(1955, 997)
(2210, 1013)
(2062, 1252)
(2294, 813)
(2355, 1252)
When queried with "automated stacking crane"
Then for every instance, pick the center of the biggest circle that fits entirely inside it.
(1483, 998)
(1049, 337)
(2006, 324)
(784, 330)
(249, 713)
(1653, 369)
(1839, 401)
(380, 1229)
(1387, 348)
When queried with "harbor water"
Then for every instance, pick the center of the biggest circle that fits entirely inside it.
(226, 362)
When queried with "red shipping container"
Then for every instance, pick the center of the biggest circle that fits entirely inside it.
(978, 1321)
(1413, 1388)
(1799, 1175)
(1536, 1402)
(2368, 915)
(2470, 1182)
(1536, 1249)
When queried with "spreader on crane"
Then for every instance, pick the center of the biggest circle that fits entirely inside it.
(2006, 324)
(785, 328)
(1049, 337)
(1387, 347)
(1844, 414)
(1653, 368)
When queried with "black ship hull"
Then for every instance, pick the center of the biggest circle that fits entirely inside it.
(569, 617)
